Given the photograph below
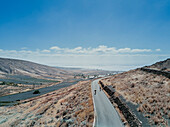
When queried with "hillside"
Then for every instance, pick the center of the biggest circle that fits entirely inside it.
(162, 65)
(148, 92)
(71, 106)
(21, 67)
(27, 68)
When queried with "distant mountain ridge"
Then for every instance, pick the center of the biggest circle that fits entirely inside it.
(22, 67)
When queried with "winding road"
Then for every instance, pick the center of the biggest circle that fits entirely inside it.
(105, 113)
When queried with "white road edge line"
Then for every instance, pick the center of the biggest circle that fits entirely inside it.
(95, 113)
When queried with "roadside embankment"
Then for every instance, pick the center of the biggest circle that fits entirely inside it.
(69, 106)
(129, 116)
(145, 93)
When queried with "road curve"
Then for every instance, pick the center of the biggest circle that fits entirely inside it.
(105, 113)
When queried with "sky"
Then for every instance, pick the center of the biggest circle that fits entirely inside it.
(100, 34)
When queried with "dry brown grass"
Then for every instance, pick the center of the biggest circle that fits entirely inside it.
(71, 106)
(148, 90)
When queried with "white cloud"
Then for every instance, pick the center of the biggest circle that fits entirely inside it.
(25, 51)
(78, 48)
(11, 51)
(129, 50)
(157, 50)
(100, 49)
(55, 48)
(47, 51)
(124, 50)
(103, 49)
(141, 50)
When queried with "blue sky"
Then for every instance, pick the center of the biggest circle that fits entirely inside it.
(102, 27)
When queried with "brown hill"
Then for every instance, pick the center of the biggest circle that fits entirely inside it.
(148, 91)
(21, 67)
(71, 106)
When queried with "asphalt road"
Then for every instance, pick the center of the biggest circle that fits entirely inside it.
(105, 113)
(29, 94)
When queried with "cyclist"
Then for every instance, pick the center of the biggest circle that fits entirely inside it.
(94, 92)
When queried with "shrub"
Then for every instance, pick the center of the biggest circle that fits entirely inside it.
(36, 92)
(3, 83)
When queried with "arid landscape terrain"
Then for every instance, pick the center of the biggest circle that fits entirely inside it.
(84, 63)
(150, 92)
(71, 106)
(18, 76)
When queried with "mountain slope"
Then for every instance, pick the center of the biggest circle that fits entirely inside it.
(145, 93)
(70, 106)
(162, 65)
(21, 67)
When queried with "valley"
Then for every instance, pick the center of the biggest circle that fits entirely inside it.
(69, 101)
(17, 76)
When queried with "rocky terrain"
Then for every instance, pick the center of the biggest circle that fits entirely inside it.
(71, 106)
(162, 65)
(149, 92)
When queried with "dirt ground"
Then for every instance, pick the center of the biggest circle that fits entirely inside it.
(12, 89)
(150, 91)
(71, 106)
